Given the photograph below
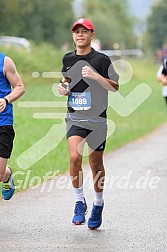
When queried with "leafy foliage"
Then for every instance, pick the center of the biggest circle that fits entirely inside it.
(51, 21)
(157, 28)
(112, 22)
(37, 19)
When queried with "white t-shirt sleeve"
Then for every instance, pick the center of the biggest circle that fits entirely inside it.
(159, 71)
(164, 91)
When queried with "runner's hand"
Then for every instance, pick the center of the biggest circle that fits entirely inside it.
(62, 90)
(88, 72)
(2, 104)
(164, 81)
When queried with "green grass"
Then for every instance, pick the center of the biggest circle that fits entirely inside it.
(148, 116)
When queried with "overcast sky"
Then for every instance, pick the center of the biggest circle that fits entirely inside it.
(139, 8)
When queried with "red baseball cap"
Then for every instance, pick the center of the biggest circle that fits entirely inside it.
(84, 22)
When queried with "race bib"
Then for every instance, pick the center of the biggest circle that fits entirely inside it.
(80, 101)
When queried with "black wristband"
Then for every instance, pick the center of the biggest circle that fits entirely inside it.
(7, 102)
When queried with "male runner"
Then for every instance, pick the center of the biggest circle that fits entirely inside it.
(88, 75)
(11, 88)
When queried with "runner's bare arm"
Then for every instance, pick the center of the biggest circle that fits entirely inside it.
(14, 79)
(108, 84)
(162, 78)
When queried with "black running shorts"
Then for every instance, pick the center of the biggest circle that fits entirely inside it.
(7, 135)
(94, 132)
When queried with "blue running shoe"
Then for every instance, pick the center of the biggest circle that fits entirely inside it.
(79, 213)
(8, 188)
(95, 218)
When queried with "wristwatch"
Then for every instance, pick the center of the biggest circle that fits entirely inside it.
(7, 102)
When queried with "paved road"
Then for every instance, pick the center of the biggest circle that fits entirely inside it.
(135, 213)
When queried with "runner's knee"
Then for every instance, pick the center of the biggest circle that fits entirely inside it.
(75, 160)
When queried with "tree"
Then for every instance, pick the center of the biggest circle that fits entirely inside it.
(37, 19)
(112, 22)
(157, 25)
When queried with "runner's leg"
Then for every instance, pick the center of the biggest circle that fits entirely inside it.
(98, 171)
(77, 178)
(4, 170)
(76, 160)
